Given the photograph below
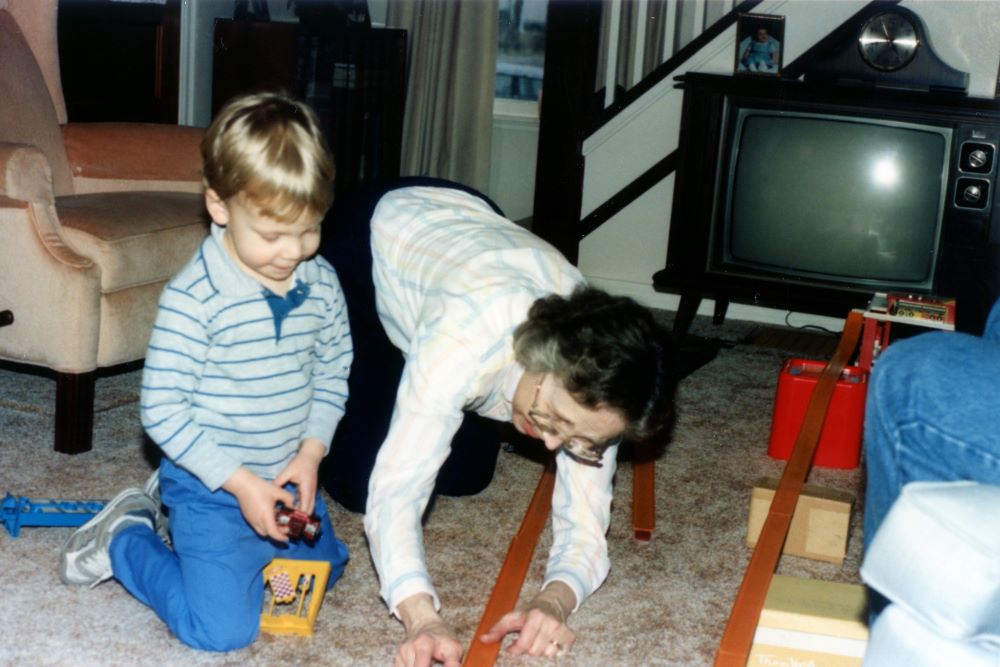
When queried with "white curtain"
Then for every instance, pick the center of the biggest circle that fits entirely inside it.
(448, 122)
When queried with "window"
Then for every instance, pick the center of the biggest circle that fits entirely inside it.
(520, 49)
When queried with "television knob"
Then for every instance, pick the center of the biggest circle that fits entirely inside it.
(972, 194)
(978, 158)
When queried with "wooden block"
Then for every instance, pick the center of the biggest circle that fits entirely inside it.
(819, 526)
(811, 622)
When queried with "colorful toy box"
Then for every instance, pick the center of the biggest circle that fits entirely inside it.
(840, 440)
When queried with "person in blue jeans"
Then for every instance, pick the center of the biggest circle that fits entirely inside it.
(244, 383)
(932, 414)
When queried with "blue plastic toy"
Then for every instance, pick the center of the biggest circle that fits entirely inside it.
(21, 511)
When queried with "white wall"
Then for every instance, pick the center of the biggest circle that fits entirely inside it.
(512, 157)
(195, 85)
(624, 253)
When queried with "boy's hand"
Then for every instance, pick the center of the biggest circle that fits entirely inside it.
(303, 472)
(258, 499)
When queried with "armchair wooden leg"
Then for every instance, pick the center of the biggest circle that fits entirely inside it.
(75, 412)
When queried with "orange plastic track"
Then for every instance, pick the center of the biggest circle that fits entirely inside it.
(507, 588)
(643, 496)
(737, 638)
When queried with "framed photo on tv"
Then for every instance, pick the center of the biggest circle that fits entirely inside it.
(760, 42)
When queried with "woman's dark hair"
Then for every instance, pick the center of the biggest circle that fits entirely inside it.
(608, 351)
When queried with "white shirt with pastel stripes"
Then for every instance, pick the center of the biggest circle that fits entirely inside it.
(453, 280)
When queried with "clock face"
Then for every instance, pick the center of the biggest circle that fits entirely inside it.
(888, 41)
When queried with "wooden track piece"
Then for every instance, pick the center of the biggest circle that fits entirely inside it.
(509, 581)
(643, 496)
(507, 588)
(737, 638)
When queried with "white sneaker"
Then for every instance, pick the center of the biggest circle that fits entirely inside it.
(85, 558)
(152, 489)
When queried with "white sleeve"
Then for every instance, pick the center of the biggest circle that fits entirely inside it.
(434, 387)
(581, 514)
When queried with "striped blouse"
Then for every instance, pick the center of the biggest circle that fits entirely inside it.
(453, 280)
(237, 376)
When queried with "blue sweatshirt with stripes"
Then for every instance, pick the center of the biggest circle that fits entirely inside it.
(236, 375)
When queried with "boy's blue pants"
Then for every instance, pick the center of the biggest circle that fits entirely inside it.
(209, 588)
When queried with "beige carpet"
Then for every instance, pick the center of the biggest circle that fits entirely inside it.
(665, 602)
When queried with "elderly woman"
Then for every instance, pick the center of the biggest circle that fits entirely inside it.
(490, 320)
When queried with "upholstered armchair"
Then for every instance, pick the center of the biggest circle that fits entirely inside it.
(94, 219)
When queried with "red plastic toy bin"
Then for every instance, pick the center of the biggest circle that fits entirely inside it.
(840, 440)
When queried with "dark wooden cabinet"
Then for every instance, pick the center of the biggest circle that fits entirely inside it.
(355, 79)
(119, 60)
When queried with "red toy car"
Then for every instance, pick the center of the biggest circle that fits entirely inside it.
(299, 523)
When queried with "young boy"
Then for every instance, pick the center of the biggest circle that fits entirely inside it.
(244, 384)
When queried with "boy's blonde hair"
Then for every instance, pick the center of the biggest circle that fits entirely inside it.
(268, 148)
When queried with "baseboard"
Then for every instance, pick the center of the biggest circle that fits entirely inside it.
(649, 297)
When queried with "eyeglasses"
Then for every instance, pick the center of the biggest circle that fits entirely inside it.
(577, 446)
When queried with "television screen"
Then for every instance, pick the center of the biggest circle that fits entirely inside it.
(850, 200)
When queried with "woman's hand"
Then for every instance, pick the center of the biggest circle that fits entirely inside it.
(428, 638)
(541, 625)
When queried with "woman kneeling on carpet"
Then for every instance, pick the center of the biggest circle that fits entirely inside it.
(490, 320)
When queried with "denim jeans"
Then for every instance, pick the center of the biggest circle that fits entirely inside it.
(208, 589)
(932, 413)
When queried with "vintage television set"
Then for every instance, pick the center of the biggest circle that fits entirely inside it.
(813, 197)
